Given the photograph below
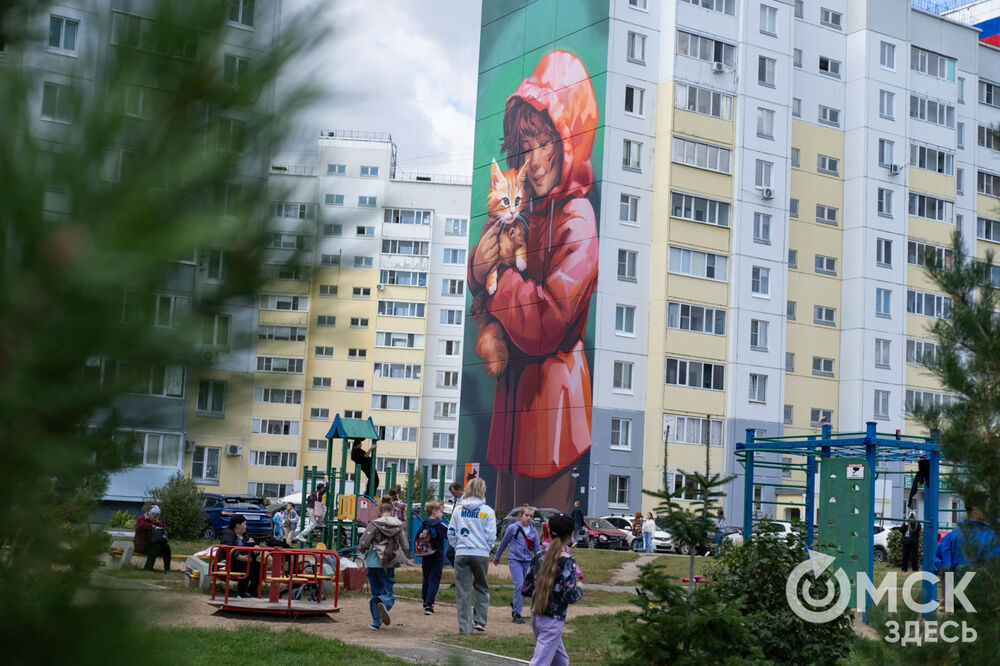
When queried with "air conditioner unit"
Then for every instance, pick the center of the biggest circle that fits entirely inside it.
(717, 67)
(209, 357)
(188, 446)
(380, 286)
(766, 193)
(234, 449)
(894, 169)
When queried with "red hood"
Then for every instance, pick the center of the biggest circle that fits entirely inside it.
(560, 85)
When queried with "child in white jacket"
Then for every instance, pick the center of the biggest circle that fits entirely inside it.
(473, 531)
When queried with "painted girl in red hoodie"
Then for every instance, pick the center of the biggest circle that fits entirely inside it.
(541, 420)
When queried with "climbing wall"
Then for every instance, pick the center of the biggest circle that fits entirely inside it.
(844, 522)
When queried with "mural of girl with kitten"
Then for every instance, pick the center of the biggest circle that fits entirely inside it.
(537, 315)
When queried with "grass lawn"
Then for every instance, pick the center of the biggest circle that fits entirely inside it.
(256, 646)
(599, 565)
(589, 640)
(678, 565)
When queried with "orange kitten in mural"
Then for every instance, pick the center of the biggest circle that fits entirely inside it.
(504, 204)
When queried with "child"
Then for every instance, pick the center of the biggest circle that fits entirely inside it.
(552, 582)
(291, 522)
(547, 541)
(279, 524)
(316, 512)
(431, 535)
(385, 547)
(524, 543)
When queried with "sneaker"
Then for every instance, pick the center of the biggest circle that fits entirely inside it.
(386, 620)
(428, 610)
(373, 627)
(518, 619)
(480, 627)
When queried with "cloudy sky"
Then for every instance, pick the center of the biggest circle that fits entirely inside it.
(407, 67)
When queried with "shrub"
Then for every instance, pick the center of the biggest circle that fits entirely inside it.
(122, 519)
(180, 503)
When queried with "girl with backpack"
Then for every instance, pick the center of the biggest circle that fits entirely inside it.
(522, 537)
(386, 547)
(429, 547)
(552, 582)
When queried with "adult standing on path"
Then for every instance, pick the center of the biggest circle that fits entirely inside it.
(577, 515)
(473, 531)
(524, 544)
(648, 528)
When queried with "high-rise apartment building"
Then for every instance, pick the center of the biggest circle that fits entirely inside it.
(770, 174)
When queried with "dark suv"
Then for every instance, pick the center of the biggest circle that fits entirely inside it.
(220, 508)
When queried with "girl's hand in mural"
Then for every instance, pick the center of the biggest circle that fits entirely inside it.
(487, 255)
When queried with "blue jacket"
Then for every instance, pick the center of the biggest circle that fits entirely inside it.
(473, 528)
(517, 537)
(951, 551)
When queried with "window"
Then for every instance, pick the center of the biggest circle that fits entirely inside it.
(637, 48)
(695, 374)
(454, 256)
(758, 335)
(693, 430)
(449, 348)
(211, 398)
(830, 18)
(446, 411)
(986, 229)
(397, 370)
(404, 216)
(357, 354)
(241, 12)
(883, 303)
(274, 458)
(701, 155)
(704, 101)
(705, 48)
(960, 183)
(290, 242)
(361, 292)
(319, 413)
(401, 309)
(282, 333)
(205, 463)
(793, 258)
(795, 157)
(323, 352)
(885, 151)
(627, 265)
(765, 71)
(622, 380)
(336, 169)
(699, 209)
(828, 116)
(762, 228)
(618, 491)
(633, 100)
(887, 55)
(56, 102)
(829, 67)
(989, 93)
(625, 319)
(828, 165)
(322, 382)
(883, 352)
(170, 310)
(826, 214)
(216, 331)
(887, 104)
(405, 403)
(762, 173)
(404, 278)
(927, 304)
(798, 8)
(258, 489)
(787, 418)
(919, 352)
(455, 226)
(411, 248)
(789, 362)
(931, 208)
(932, 64)
(316, 445)
(881, 404)
(451, 317)
(916, 252)
(330, 290)
(797, 58)
(932, 111)
(621, 434)
(333, 200)
(769, 20)
(447, 379)
(721, 6)
(444, 441)
(697, 318)
(329, 321)
(369, 171)
(279, 364)
(158, 449)
(819, 417)
(452, 287)
(765, 123)
(629, 210)
(823, 315)
(274, 427)
(235, 69)
(988, 183)
(278, 396)
(922, 399)
(364, 262)
(793, 208)
(758, 388)
(883, 252)
(631, 155)
(884, 202)
(760, 281)
(825, 265)
(399, 339)
(366, 202)
(698, 264)
(822, 367)
(62, 33)
(796, 107)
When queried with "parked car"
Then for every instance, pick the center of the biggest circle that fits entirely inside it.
(602, 534)
(880, 552)
(220, 508)
(779, 528)
(662, 539)
(541, 515)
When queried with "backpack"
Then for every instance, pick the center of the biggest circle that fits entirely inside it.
(423, 546)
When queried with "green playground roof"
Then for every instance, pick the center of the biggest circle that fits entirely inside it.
(352, 429)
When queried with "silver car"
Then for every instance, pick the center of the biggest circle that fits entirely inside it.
(662, 539)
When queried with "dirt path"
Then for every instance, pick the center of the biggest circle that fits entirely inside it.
(629, 571)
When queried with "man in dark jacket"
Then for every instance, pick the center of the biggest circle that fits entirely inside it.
(143, 543)
(577, 515)
(242, 561)
(910, 542)
(367, 465)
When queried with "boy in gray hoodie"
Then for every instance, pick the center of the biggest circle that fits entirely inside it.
(385, 546)
(473, 531)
